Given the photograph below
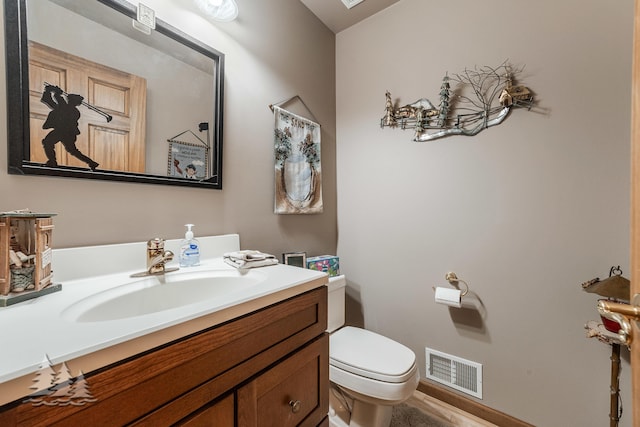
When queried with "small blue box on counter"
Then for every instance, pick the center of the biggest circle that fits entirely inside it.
(328, 263)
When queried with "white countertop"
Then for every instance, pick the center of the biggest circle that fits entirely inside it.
(35, 329)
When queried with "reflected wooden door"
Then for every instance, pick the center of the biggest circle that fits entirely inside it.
(116, 144)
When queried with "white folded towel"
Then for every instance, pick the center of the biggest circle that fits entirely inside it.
(249, 259)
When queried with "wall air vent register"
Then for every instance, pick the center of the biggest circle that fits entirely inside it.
(455, 372)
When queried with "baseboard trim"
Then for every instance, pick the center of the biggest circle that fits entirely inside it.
(470, 406)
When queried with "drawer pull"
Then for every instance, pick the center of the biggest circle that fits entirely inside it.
(295, 405)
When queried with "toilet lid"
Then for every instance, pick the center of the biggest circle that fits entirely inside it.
(370, 355)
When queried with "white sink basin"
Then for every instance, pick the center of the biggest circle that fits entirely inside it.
(155, 294)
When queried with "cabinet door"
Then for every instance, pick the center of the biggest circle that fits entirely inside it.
(295, 392)
(217, 415)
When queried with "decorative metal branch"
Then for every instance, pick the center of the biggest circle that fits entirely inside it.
(493, 95)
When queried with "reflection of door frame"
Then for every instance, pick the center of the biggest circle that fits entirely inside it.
(118, 144)
(635, 210)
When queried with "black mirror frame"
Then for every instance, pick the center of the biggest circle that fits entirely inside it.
(17, 76)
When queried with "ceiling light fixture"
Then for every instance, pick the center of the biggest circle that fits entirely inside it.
(351, 3)
(219, 10)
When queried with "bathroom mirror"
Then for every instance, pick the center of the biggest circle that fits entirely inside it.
(94, 92)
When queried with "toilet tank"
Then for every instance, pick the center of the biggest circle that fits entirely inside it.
(335, 303)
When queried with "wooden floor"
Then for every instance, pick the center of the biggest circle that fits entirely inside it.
(445, 412)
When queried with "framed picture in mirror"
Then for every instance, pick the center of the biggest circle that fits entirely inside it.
(187, 161)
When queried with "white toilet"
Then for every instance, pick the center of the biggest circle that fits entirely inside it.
(369, 373)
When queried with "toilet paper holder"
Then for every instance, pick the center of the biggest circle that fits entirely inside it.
(448, 296)
(452, 278)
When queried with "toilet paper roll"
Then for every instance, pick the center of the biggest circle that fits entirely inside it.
(448, 296)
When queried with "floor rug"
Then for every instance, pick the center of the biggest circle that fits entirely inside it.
(408, 416)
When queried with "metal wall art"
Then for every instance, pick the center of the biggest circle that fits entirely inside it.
(482, 97)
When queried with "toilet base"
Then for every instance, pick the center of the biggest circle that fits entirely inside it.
(344, 411)
(339, 408)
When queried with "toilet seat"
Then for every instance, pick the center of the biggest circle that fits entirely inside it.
(371, 355)
(374, 391)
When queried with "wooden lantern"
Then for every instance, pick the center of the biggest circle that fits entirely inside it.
(25, 252)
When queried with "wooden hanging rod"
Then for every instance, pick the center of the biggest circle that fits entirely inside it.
(288, 100)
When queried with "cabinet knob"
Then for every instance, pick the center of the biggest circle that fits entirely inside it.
(295, 405)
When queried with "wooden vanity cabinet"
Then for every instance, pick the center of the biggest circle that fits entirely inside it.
(219, 414)
(286, 394)
(267, 368)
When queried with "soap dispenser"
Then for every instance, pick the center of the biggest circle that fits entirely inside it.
(189, 249)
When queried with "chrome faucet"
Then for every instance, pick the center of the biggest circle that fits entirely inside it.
(157, 257)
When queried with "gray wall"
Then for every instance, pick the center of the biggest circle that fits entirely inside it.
(267, 60)
(524, 212)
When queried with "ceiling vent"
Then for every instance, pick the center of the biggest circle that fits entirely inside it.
(351, 3)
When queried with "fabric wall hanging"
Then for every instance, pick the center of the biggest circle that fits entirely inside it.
(189, 156)
(298, 175)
